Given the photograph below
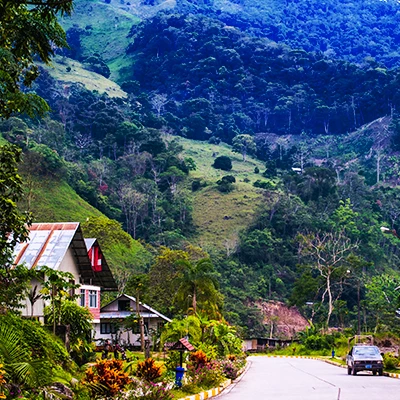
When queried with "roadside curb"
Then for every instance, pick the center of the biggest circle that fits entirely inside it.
(208, 394)
(227, 385)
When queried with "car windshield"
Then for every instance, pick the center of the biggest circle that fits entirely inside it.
(366, 351)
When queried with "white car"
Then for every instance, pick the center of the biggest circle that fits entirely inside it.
(364, 358)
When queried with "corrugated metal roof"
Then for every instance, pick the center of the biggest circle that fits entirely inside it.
(148, 308)
(48, 244)
(125, 314)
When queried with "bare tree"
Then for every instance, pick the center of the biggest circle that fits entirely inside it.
(158, 102)
(133, 205)
(327, 253)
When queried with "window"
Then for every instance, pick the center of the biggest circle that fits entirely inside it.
(136, 327)
(108, 327)
(123, 305)
(83, 298)
(92, 298)
(160, 325)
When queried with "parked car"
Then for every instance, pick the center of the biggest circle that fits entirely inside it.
(364, 358)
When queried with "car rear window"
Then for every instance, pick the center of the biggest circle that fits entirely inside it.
(366, 351)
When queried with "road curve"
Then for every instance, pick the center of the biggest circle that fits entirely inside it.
(305, 379)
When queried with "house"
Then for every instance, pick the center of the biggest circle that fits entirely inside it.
(62, 247)
(112, 317)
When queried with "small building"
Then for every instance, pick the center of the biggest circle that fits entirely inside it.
(62, 247)
(112, 316)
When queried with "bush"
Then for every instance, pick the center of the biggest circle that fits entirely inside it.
(263, 184)
(223, 162)
(148, 370)
(390, 361)
(206, 376)
(316, 342)
(146, 391)
(106, 378)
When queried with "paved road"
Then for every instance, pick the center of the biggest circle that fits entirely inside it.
(303, 379)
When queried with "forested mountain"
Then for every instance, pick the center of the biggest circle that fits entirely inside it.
(309, 89)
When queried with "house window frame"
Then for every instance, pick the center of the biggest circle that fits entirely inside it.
(93, 294)
(82, 297)
(107, 328)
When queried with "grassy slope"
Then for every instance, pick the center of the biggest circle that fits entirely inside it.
(219, 217)
(110, 25)
(56, 201)
(78, 74)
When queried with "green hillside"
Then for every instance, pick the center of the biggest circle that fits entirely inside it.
(105, 29)
(52, 200)
(218, 217)
(66, 70)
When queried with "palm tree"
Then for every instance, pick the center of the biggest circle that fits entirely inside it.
(197, 280)
(20, 369)
(33, 297)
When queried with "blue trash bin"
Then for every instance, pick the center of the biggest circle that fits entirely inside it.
(180, 371)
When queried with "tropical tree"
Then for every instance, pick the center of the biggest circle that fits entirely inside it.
(197, 279)
(244, 144)
(29, 32)
(57, 286)
(13, 229)
(21, 370)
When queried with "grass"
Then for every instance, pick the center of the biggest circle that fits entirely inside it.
(109, 27)
(219, 217)
(55, 201)
(78, 74)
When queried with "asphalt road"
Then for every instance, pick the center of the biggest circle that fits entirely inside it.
(304, 379)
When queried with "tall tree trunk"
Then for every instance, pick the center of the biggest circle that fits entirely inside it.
(141, 322)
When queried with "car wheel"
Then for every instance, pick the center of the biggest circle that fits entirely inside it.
(348, 371)
(374, 372)
(380, 372)
(354, 371)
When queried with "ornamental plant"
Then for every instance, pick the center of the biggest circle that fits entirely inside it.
(106, 378)
(148, 370)
(143, 390)
(198, 359)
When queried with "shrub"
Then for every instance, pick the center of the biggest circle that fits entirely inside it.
(148, 370)
(198, 358)
(106, 378)
(263, 184)
(206, 376)
(390, 361)
(316, 342)
(146, 391)
(223, 162)
(196, 185)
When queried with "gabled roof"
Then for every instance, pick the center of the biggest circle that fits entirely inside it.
(105, 275)
(124, 314)
(48, 244)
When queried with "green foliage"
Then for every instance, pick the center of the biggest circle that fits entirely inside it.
(390, 361)
(27, 32)
(11, 218)
(148, 370)
(223, 162)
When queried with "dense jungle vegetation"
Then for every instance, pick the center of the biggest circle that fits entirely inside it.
(314, 90)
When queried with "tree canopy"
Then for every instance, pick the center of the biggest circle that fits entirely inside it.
(29, 29)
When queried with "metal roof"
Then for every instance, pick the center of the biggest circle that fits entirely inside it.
(148, 308)
(48, 244)
(125, 314)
